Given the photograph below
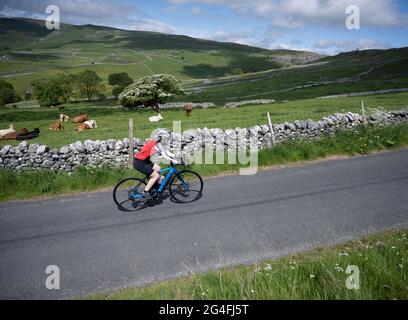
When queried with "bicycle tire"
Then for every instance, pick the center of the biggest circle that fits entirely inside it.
(134, 204)
(178, 191)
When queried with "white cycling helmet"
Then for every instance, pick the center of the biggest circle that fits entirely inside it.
(160, 133)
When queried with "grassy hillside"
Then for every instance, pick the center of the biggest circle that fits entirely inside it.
(34, 52)
(344, 73)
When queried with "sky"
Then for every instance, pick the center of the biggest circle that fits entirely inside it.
(312, 25)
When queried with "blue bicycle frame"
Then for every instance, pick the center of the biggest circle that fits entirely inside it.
(170, 172)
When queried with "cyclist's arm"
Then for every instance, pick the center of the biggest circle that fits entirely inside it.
(165, 153)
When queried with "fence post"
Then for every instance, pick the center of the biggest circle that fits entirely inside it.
(363, 111)
(271, 127)
(131, 148)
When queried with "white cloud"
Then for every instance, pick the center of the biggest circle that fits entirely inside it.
(99, 12)
(349, 45)
(195, 11)
(297, 13)
(151, 25)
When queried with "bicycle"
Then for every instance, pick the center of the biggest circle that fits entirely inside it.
(180, 184)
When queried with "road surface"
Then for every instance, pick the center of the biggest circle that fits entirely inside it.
(240, 219)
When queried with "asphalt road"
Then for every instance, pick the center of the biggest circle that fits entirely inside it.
(239, 219)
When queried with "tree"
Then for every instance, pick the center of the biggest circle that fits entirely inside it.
(237, 71)
(54, 91)
(150, 91)
(119, 81)
(89, 84)
(7, 93)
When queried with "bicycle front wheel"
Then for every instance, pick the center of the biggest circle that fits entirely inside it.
(128, 194)
(186, 186)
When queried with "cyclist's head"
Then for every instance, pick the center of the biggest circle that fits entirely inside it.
(159, 134)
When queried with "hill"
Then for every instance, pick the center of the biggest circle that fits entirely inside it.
(210, 70)
(29, 51)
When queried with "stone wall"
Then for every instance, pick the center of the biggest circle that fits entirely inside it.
(115, 152)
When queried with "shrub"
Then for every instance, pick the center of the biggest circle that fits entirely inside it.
(89, 84)
(119, 81)
(7, 93)
(150, 91)
(53, 92)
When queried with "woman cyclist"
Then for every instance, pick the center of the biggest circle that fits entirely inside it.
(144, 164)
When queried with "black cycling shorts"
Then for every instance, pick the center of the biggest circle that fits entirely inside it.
(144, 166)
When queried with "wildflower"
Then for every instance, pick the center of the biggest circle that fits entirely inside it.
(312, 276)
(343, 254)
(401, 265)
(292, 267)
(393, 248)
(338, 268)
(268, 267)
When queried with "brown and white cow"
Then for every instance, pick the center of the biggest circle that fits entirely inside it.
(57, 126)
(63, 117)
(189, 109)
(82, 127)
(15, 134)
(81, 118)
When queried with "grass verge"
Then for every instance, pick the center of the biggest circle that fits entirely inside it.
(317, 274)
(25, 185)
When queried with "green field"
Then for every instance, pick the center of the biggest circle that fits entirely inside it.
(113, 123)
(318, 274)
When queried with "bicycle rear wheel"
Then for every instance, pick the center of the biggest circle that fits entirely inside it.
(127, 194)
(186, 186)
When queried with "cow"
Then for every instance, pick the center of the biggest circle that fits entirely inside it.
(156, 118)
(9, 130)
(63, 118)
(29, 135)
(189, 109)
(82, 127)
(57, 126)
(81, 118)
(91, 124)
(14, 135)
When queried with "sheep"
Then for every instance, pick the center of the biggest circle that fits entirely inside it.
(9, 130)
(156, 118)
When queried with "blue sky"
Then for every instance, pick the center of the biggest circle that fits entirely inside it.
(315, 25)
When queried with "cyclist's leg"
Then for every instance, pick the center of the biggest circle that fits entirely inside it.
(155, 175)
(157, 168)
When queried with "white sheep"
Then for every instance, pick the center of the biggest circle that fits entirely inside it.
(156, 118)
(6, 131)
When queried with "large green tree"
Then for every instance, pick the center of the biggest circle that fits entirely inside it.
(150, 91)
(119, 81)
(54, 91)
(89, 84)
(7, 93)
